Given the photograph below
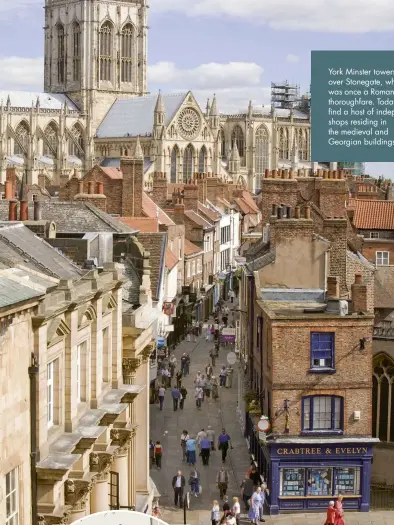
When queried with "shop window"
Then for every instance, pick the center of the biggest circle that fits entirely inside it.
(322, 414)
(322, 351)
(292, 482)
(319, 481)
(347, 481)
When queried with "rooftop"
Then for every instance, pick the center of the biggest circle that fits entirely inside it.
(152, 210)
(197, 219)
(27, 99)
(171, 259)
(373, 214)
(142, 224)
(191, 249)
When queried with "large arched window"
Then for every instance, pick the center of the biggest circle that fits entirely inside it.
(188, 163)
(238, 137)
(76, 146)
(383, 398)
(283, 143)
(50, 140)
(76, 36)
(302, 145)
(61, 53)
(106, 51)
(262, 151)
(222, 144)
(21, 142)
(127, 53)
(174, 164)
(202, 160)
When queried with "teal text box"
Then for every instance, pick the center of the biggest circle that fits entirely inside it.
(352, 106)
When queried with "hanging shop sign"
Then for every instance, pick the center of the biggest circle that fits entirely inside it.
(169, 309)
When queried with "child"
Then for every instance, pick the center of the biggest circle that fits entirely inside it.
(158, 454)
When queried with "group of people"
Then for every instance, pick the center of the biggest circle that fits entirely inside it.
(335, 513)
(204, 443)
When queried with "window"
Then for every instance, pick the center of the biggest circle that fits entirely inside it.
(12, 497)
(382, 398)
(222, 144)
(193, 268)
(283, 143)
(225, 234)
(302, 144)
(76, 52)
(21, 142)
(374, 235)
(238, 137)
(106, 37)
(60, 54)
(262, 152)
(199, 266)
(322, 350)
(319, 481)
(202, 160)
(127, 53)
(188, 163)
(50, 142)
(382, 258)
(224, 259)
(81, 362)
(347, 481)
(292, 482)
(174, 164)
(322, 414)
(76, 143)
(106, 367)
(50, 395)
(35, 197)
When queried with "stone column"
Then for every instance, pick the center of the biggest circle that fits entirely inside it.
(99, 501)
(122, 468)
(132, 472)
(142, 417)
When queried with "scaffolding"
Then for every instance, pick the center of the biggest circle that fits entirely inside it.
(284, 95)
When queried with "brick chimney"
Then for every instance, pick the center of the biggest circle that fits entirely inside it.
(190, 196)
(159, 194)
(359, 295)
(133, 186)
(179, 209)
(277, 187)
(333, 287)
(285, 226)
(335, 231)
(212, 182)
(41, 181)
(9, 190)
(201, 179)
(13, 210)
(333, 190)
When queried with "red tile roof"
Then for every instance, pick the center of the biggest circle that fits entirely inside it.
(200, 221)
(210, 214)
(113, 173)
(143, 224)
(154, 212)
(171, 259)
(190, 248)
(373, 214)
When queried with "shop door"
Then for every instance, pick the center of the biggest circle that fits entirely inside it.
(113, 490)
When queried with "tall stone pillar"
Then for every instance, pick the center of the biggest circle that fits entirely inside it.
(123, 438)
(142, 416)
(100, 463)
(122, 468)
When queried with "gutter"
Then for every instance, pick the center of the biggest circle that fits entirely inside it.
(33, 374)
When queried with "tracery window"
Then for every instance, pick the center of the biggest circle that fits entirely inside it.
(21, 142)
(127, 53)
(76, 146)
(61, 52)
(222, 144)
(76, 52)
(106, 51)
(202, 160)
(174, 164)
(188, 163)
(51, 141)
(238, 137)
(284, 143)
(262, 151)
(383, 399)
(302, 145)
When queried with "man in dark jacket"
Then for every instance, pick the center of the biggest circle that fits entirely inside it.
(247, 488)
(178, 484)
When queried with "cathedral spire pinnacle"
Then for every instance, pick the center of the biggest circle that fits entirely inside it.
(234, 152)
(250, 109)
(208, 108)
(138, 153)
(214, 108)
(160, 104)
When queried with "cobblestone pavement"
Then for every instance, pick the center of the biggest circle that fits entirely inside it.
(167, 427)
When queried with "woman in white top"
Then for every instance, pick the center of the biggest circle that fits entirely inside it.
(231, 520)
(184, 437)
(236, 509)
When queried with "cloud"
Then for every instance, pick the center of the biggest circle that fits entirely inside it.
(332, 16)
(21, 73)
(294, 59)
(17, 9)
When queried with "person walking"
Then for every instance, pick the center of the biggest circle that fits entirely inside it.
(198, 394)
(187, 364)
(222, 481)
(209, 371)
(205, 448)
(183, 392)
(215, 388)
(236, 511)
(224, 441)
(231, 519)
(194, 482)
(222, 376)
(256, 506)
(200, 436)
(330, 514)
(208, 388)
(247, 489)
(215, 513)
(339, 513)
(203, 386)
(184, 438)
(211, 436)
(162, 392)
(191, 451)
(197, 379)
(175, 393)
(212, 355)
(226, 506)
(183, 364)
(158, 454)
(208, 333)
(255, 476)
(178, 377)
(178, 484)
(151, 453)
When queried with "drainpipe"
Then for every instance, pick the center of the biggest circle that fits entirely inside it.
(33, 373)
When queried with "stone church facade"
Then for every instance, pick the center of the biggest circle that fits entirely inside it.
(95, 106)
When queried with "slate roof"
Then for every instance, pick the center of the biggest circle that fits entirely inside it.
(384, 287)
(74, 217)
(260, 262)
(200, 221)
(373, 214)
(109, 162)
(13, 292)
(25, 99)
(135, 116)
(19, 246)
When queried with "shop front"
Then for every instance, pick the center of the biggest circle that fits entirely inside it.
(304, 475)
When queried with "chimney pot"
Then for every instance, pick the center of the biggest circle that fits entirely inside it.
(286, 172)
(307, 212)
(291, 174)
(289, 212)
(91, 187)
(8, 190)
(267, 174)
(13, 210)
(332, 287)
(297, 212)
(24, 211)
(100, 188)
(358, 278)
(80, 186)
(37, 216)
(274, 174)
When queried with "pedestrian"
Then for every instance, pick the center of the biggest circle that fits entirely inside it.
(200, 436)
(212, 355)
(194, 482)
(222, 481)
(208, 388)
(256, 505)
(217, 345)
(191, 451)
(339, 513)
(158, 454)
(167, 378)
(225, 319)
(200, 326)
(236, 510)
(224, 442)
(184, 395)
(226, 506)
(255, 476)
(197, 379)
(208, 333)
(151, 452)
(222, 376)
(215, 513)
(198, 394)
(171, 367)
(209, 370)
(162, 392)
(211, 436)
(212, 333)
(189, 334)
(184, 438)
(178, 377)
(247, 489)
(203, 385)
(330, 514)
(187, 364)
(178, 484)
(175, 393)
(215, 388)
(195, 333)
(183, 364)
(205, 448)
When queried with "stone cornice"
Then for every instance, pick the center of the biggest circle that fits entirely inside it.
(130, 365)
(76, 492)
(100, 463)
(122, 438)
(51, 519)
(146, 352)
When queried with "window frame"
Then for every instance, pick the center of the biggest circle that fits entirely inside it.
(50, 394)
(332, 430)
(322, 369)
(14, 473)
(381, 252)
(79, 374)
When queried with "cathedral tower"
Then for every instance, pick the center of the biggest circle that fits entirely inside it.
(95, 52)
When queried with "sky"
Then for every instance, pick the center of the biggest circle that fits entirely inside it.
(234, 48)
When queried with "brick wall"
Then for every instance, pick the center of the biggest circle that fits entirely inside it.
(332, 197)
(190, 196)
(212, 183)
(176, 236)
(353, 266)
(277, 191)
(133, 186)
(283, 230)
(334, 230)
(152, 243)
(159, 190)
(370, 247)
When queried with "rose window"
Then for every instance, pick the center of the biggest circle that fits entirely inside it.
(189, 123)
